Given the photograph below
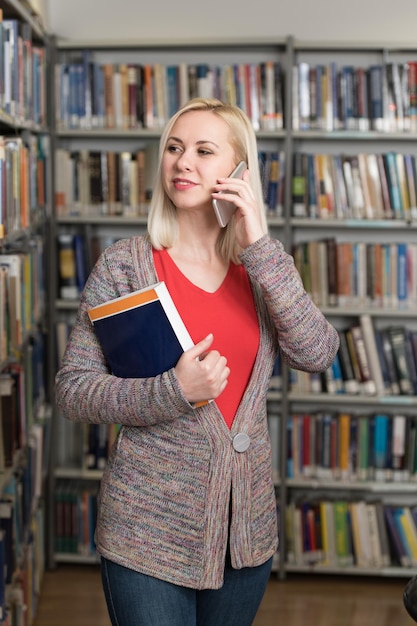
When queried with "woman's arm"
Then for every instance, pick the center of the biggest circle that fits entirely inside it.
(85, 389)
(307, 340)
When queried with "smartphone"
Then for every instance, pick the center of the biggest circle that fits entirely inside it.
(223, 209)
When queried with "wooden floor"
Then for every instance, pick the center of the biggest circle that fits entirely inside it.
(72, 595)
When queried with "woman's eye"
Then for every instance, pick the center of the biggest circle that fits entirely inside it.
(172, 148)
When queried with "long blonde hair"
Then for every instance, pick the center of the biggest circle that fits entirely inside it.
(162, 222)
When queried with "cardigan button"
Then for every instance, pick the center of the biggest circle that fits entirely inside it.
(241, 442)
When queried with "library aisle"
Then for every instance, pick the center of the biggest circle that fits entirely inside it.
(72, 595)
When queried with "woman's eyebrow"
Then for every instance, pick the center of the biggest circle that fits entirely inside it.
(204, 141)
(198, 143)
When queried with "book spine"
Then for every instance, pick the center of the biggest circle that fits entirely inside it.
(398, 448)
(390, 361)
(397, 337)
(367, 382)
(351, 384)
(67, 268)
(303, 96)
(368, 335)
(299, 206)
(381, 447)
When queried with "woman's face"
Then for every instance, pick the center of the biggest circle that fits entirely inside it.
(198, 152)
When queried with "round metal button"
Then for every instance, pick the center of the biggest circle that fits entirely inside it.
(241, 442)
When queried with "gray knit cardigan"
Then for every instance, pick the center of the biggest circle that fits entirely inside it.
(165, 492)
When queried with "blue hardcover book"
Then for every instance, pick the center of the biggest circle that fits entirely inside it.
(141, 333)
(398, 512)
(389, 451)
(381, 446)
(383, 362)
(80, 255)
(337, 375)
(397, 547)
(172, 86)
(402, 274)
(376, 97)
(98, 112)
(347, 97)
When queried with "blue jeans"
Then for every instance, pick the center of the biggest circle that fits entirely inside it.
(134, 599)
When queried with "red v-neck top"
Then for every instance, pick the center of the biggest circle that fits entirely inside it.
(229, 313)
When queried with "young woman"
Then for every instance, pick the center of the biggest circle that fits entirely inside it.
(187, 523)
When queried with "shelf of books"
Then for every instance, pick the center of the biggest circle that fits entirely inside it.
(348, 443)
(25, 414)
(340, 178)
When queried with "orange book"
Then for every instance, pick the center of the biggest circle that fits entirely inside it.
(344, 259)
(325, 186)
(344, 444)
(40, 178)
(108, 94)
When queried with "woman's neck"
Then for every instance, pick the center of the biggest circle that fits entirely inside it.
(203, 266)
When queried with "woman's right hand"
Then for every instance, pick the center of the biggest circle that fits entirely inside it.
(201, 372)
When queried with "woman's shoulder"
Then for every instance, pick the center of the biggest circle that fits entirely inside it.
(127, 244)
(121, 254)
(129, 260)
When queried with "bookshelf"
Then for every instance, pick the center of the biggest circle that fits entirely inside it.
(341, 475)
(25, 409)
(300, 482)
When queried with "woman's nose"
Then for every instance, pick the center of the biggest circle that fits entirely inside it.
(183, 163)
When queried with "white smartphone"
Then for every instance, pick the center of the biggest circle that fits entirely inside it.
(223, 209)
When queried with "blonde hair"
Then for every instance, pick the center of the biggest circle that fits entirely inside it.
(162, 222)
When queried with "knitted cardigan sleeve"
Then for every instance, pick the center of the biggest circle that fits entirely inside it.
(85, 390)
(307, 340)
